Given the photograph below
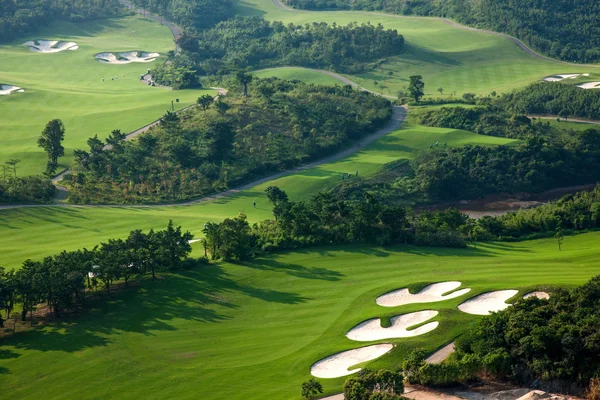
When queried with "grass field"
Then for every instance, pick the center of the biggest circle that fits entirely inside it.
(68, 85)
(48, 230)
(301, 74)
(252, 331)
(446, 56)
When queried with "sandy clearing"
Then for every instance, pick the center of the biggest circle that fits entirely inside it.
(50, 46)
(429, 294)
(538, 294)
(5, 90)
(338, 364)
(126, 57)
(590, 85)
(372, 330)
(486, 303)
(441, 354)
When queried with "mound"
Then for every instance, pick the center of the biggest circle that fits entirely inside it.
(337, 365)
(372, 329)
(590, 85)
(558, 78)
(50, 46)
(429, 294)
(486, 303)
(539, 295)
(127, 57)
(9, 89)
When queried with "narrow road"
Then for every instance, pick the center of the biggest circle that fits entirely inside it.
(527, 49)
(398, 116)
(581, 121)
(339, 77)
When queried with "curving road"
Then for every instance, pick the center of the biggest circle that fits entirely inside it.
(527, 49)
(398, 117)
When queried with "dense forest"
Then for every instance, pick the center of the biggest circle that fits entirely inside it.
(21, 17)
(565, 29)
(191, 14)
(554, 340)
(223, 143)
(253, 42)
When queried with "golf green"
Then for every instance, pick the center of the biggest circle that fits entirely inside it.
(81, 91)
(252, 331)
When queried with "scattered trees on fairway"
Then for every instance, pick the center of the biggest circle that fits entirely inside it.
(416, 86)
(311, 389)
(51, 141)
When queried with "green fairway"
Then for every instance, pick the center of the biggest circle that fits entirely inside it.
(48, 230)
(301, 74)
(452, 58)
(68, 85)
(252, 331)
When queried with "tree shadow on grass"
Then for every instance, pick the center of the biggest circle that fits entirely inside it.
(273, 264)
(201, 295)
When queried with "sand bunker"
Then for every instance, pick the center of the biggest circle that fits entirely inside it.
(50, 46)
(539, 295)
(486, 303)
(372, 329)
(558, 78)
(590, 85)
(338, 364)
(5, 90)
(126, 58)
(429, 294)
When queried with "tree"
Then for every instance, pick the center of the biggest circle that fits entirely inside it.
(441, 90)
(416, 86)
(222, 107)
(564, 113)
(311, 389)
(12, 163)
(278, 198)
(559, 238)
(205, 101)
(244, 79)
(51, 141)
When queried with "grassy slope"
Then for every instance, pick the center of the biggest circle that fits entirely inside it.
(48, 230)
(448, 57)
(304, 75)
(68, 85)
(252, 331)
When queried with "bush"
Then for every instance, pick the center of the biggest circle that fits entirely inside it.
(440, 239)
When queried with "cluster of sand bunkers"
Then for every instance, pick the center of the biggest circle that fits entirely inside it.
(126, 57)
(5, 90)
(562, 77)
(338, 365)
(50, 46)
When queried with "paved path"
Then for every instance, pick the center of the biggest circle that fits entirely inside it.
(339, 77)
(398, 117)
(527, 49)
(581, 121)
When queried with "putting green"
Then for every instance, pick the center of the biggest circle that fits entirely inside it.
(252, 331)
(48, 230)
(68, 85)
(449, 57)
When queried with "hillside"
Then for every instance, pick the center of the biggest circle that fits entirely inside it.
(564, 29)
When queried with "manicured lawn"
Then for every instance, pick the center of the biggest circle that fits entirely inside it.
(36, 232)
(252, 331)
(68, 85)
(301, 74)
(448, 57)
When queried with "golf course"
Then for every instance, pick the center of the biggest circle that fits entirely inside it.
(249, 330)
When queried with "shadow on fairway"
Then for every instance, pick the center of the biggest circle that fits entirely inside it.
(299, 271)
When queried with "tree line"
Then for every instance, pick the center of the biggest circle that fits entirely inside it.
(191, 14)
(561, 29)
(61, 282)
(22, 17)
(222, 143)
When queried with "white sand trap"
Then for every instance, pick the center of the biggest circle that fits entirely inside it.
(486, 303)
(429, 294)
(127, 57)
(50, 46)
(561, 77)
(5, 90)
(590, 85)
(538, 294)
(338, 364)
(372, 329)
